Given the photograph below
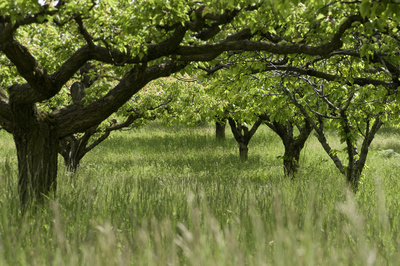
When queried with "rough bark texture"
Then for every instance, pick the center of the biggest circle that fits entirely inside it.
(291, 159)
(36, 142)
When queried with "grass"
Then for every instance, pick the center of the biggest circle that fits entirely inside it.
(177, 196)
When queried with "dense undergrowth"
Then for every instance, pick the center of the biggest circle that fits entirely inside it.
(177, 196)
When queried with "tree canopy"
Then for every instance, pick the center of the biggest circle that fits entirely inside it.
(46, 47)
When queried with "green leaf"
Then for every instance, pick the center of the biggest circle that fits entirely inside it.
(364, 8)
(320, 16)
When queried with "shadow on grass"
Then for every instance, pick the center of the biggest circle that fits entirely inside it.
(388, 138)
(389, 131)
(184, 152)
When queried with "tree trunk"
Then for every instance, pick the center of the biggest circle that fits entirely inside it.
(73, 148)
(72, 159)
(243, 136)
(243, 151)
(353, 177)
(220, 130)
(293, 145)
(36, 142)
(291, 159)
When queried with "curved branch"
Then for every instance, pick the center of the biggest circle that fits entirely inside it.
(188, 53)
(71, 120)
(323, 75)
(29, 69)
(84, 32)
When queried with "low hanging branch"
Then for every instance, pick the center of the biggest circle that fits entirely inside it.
(73, 148)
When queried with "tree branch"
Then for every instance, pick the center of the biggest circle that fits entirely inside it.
(70, 121)
(319, 132)
(84, 32)
(323, 75)
(29, 69)
(202, 52)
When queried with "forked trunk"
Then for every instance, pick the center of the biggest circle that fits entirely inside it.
(243, 136)
(293, 145)
(36, 142)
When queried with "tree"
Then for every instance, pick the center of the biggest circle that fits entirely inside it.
(43, 47)
(252, 98)
(358, 82)
(354, 118)
(243, 135)
(292, 143)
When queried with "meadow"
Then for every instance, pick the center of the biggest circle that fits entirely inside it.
(178, 196)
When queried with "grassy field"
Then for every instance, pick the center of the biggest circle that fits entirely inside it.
(177, 196)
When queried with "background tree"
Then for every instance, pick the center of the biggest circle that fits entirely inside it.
(253, 98)
(353, 118)
(362, 76)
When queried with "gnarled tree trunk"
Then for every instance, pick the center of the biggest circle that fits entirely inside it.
(37, 150)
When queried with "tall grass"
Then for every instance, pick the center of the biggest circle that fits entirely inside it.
(177, 196)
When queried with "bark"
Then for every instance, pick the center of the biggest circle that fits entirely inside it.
(5, 113)
(291, 159)
(37, 148)
(243, 151)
